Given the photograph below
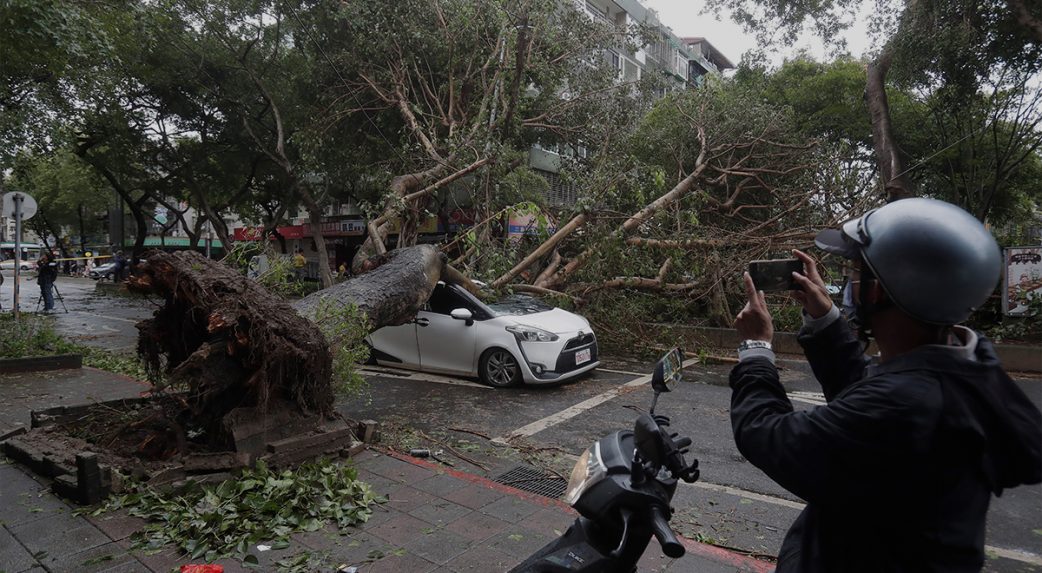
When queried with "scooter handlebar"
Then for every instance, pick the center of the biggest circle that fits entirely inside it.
(667, 539)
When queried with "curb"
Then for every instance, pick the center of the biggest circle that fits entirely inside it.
(40, 363)
(709, 552)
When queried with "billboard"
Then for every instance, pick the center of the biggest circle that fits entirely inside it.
(1022, 279)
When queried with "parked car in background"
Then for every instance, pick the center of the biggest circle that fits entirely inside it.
(518, 339)
(103, 271)
(8, 265)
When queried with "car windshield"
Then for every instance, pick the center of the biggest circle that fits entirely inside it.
(518, 305)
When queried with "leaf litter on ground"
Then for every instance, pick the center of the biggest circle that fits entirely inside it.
(216, 521)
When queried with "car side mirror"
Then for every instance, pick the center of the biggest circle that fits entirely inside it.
(463, 314)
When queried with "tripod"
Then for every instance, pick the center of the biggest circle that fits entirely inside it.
(57, 293)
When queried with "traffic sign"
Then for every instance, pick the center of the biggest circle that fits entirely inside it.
(28, 207)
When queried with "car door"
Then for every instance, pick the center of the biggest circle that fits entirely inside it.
(396, 345)
(446, 344)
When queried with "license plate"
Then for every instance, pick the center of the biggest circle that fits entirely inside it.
(582, 356)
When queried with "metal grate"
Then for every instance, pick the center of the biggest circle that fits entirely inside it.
(534, 481)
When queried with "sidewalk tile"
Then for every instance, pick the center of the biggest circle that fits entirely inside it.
(474, 496)
(548, 521)
(381, 515)
(440, 512)
(405, 498)
(400, 530)
(483, 559)
(518, 542)
(396, 469)
(107, 557)
(406, 562)
(13, 557)
(117, 525)
(21, 503)
(438, 546)
(380, 484)
(510, 509)
(477, 526)
(440, 484)
(351, 549)
(59, 535)
(162, 562)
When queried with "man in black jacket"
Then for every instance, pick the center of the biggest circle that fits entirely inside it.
(46, 274)
(899, 467)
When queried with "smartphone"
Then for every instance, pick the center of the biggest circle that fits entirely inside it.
(775, 275)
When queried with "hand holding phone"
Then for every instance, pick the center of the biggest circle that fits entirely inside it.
(775, 275)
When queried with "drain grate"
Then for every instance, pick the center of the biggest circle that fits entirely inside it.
(534, 481)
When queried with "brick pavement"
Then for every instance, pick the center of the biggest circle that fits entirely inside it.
(436, 519)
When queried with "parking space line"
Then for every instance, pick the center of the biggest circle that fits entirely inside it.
(814, 398)
(601, 369)
(423, 376)
(573, 411)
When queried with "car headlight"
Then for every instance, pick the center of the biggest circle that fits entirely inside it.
(525, 333)
(587, 471)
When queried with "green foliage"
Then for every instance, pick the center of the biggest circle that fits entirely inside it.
(212, 522)
(345, 328)
(32, 335)
(1025, 329)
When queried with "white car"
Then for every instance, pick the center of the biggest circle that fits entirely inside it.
(9, 265)
(516, 339)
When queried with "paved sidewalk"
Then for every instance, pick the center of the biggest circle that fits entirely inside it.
(436, 519)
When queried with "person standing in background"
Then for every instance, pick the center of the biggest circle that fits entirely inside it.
(46, 274)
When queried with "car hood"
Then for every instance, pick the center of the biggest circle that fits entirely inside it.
(557, 321)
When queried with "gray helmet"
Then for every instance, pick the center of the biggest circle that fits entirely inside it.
(936, 262)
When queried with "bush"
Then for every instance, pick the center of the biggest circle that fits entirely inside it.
(32, 335)
(345, 328)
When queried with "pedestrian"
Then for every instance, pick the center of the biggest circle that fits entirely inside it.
(46, 274)
(299, 264)
(899, 466)
(120, 264)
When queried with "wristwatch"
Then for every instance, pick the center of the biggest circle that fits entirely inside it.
(748, 344)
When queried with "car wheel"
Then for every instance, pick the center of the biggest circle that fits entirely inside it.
(499, 368)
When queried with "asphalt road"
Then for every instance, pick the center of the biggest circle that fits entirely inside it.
(733, 504)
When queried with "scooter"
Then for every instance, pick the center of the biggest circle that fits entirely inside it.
(622, 487)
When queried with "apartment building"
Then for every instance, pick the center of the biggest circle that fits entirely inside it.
(684, 61)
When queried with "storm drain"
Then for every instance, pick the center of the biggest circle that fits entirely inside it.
(529, 479)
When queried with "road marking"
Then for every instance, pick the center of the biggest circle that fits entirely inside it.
(1014, 554)
(573, 411)
(748, 494)
(600, 369)
(93, 315)
(426, 377)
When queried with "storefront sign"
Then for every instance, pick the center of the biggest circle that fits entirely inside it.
(1022, 280)
(345, 228)
(254, 233)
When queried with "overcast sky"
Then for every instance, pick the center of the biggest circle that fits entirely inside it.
(683, 16)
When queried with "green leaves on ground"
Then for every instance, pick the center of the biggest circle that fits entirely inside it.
(262, 505)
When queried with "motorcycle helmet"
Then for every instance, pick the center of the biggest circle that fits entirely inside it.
(936, 262)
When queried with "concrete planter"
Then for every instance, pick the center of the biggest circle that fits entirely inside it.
(39, 363)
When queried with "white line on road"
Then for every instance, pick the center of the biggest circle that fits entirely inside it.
(425, 377)
(96, 315)
(602, 369)
(573, 411)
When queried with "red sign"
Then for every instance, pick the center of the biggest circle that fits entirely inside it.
(254, 233)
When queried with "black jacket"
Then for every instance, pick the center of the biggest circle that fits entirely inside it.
(899, 467)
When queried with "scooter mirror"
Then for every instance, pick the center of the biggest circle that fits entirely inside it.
(668, 371)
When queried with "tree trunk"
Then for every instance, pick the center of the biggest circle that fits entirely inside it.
(315, 218)
(896, 183)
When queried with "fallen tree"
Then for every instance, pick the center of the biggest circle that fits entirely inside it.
(228, 343)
